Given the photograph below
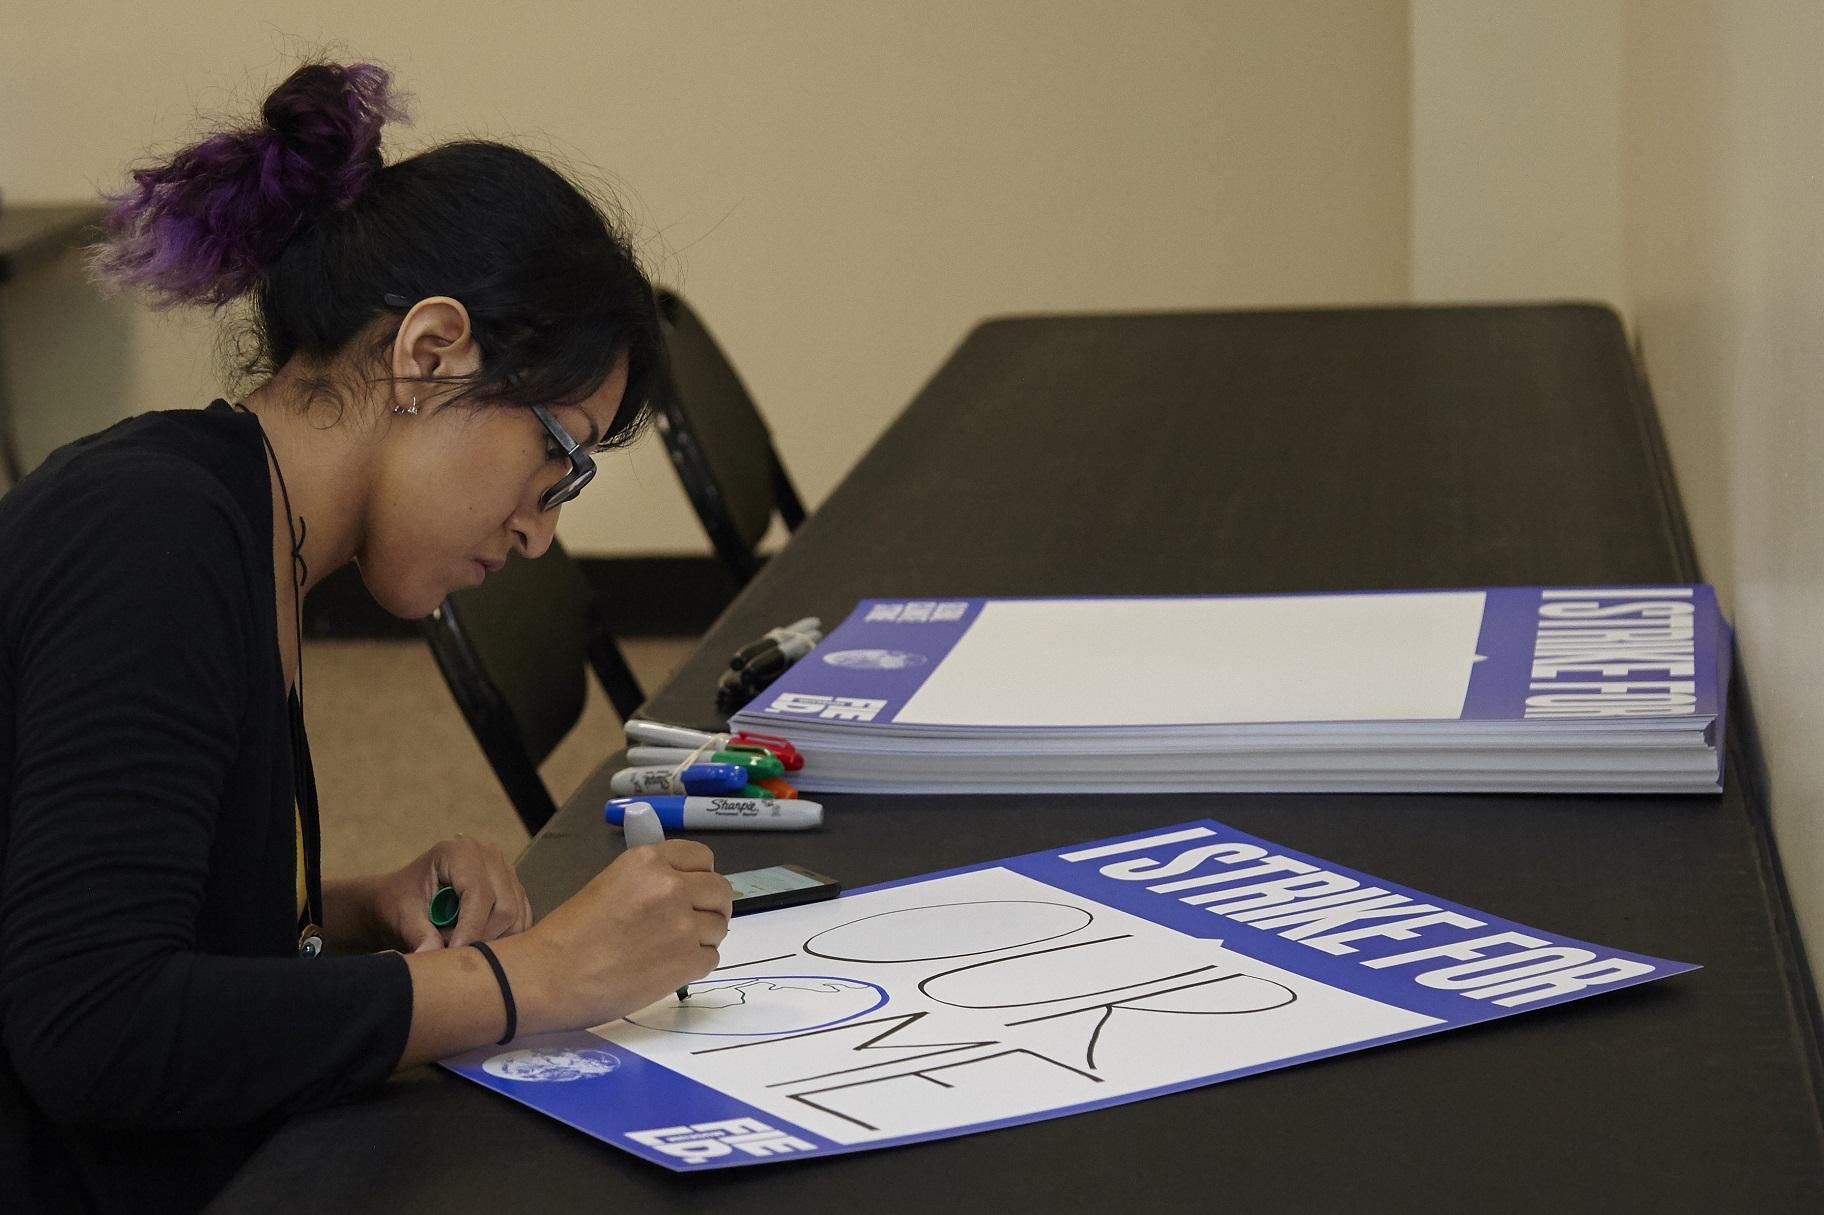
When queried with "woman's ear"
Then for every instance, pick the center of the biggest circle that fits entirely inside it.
(434, 343)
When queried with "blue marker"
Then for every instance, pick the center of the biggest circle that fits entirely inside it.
(722, 813)
(699, 780)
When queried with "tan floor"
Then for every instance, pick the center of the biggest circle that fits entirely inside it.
(398, 770)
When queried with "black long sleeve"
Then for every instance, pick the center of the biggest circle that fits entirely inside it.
(150, 995)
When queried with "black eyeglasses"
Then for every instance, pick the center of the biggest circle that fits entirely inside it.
(582, 467)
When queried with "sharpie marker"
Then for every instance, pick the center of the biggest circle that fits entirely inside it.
(754, 761)
(806, 632)
(701, 780)
(658, 734)
(774, 657)
(640, 827)
(720, 813)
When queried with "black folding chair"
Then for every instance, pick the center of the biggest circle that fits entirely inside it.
(719, 443)
(512, 651)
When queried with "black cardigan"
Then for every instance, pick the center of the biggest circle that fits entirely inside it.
(155, 1017)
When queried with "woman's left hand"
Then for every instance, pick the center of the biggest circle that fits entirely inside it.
(494, 904)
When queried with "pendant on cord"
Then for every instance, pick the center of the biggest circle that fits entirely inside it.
(310, 941)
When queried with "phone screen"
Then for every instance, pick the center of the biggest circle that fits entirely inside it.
(779, 886)
(776, 880)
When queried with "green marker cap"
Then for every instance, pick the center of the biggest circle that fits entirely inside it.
(446, 904)
(754, 761)
(755, 791)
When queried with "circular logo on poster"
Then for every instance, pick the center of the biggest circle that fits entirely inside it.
(874, 660)
(551, 1065)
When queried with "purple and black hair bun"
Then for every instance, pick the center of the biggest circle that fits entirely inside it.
(204, 226)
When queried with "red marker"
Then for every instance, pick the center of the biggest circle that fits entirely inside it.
(784, 750)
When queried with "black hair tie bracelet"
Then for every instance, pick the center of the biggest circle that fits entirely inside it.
(506, 992)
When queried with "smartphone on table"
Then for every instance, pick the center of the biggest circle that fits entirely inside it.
(780, 886)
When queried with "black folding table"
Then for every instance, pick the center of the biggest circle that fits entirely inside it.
(1247, 452)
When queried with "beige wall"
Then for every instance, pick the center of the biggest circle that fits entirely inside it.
(1516, 135)
(1724, 219)
(1666, 155)
(844, 189)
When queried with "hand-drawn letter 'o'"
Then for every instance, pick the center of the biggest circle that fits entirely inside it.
(947, 930)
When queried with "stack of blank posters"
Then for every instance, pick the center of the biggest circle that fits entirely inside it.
(1505, 689)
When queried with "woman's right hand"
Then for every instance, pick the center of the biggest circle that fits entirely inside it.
(643, 927)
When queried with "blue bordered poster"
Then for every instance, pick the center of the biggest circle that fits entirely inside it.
(1046, 985)
(1499, 689)
(1542, 655)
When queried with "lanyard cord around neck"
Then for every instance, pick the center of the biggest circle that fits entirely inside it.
(304, 778)
(299, 567)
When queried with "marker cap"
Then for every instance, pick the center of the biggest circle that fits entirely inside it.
(760, 763)
(701, 779)
(777, 787)
(780, 748)
(446, 906)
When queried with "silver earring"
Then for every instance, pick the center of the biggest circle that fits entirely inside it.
(412, 408)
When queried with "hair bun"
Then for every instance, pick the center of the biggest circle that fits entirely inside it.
(329, 117)
(203, 227)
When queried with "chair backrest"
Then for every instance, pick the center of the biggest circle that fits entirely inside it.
(718, 442)
(513, 652)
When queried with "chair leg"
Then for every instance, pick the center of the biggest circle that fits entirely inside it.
(489, 719)
(785, 497)
(526, 790)
(613, 673)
